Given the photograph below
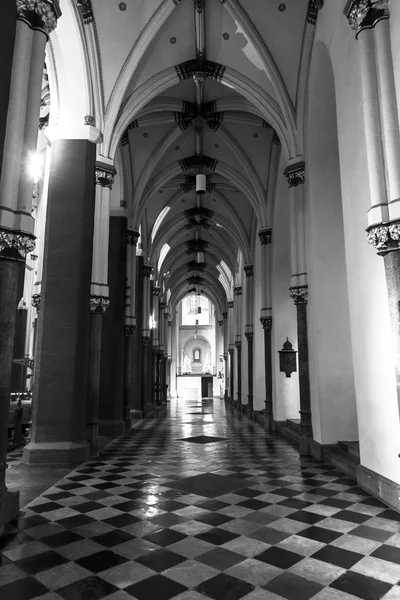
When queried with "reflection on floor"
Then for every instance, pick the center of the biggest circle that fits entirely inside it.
(202, 504)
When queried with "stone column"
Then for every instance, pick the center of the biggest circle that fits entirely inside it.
(137, 357)
(169, 356)
(295, 174)
(238, 340)
(63, 339)
(265, 236)
(370, 20)
(147, 400)
(99, 298)
(248, 269)
(225, 354)
(231, 351)
(130, 325)
(155, 336)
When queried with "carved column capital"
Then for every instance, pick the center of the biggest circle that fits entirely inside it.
(249, 336)
(384, 237)
(35, 301)
(238, 344)
(295, 174)
(169, 323)
(20, 242)
(224, 315)
(156, 290)
(145, 340)
(365, 14)
(220, 323)
(104, 176)
(231, 304)
(225, 355)
(87, 10)
(132, 237)
(237, 290)
(299, 294)
(230, 351)
(48, 12)
(147, 270)
(265, 236)
(161, 305)
(266, 323)
(129, 330)
(99, 304)
(249, 270)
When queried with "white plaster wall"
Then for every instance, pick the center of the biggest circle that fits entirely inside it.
(286, 403)
(374, 375)
(258, 338)
(333, 402)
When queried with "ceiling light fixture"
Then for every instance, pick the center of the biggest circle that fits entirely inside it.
(201, 183)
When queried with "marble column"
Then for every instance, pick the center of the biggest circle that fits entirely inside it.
(231, 350)
(265, 236)
(63, 339)
(147, 376)
(225, 354)
(155, 336)
(248, 269)
(137, 357)
(130, 326)
(99, 298)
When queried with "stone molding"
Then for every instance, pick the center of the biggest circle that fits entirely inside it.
(249, 270)
(20, 241)
(266, 323)
(384, 237)
(299, 294)
(47, 10)
(265, 236)
(99, 304)
(365, 14)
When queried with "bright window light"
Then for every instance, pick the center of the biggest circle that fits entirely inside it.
(164, 251)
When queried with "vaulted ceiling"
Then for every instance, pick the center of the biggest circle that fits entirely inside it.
(200, 86)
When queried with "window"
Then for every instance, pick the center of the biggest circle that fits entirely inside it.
(196, 355)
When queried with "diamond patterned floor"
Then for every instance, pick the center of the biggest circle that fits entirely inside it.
(234, 515)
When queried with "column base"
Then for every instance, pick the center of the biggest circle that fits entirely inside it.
(92, 437)
(57, 453)
(268, 422)
(379, 486)
(112, 428)
(305, 445)
(9, 508)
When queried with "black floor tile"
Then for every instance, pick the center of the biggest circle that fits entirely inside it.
(160, 560)
(319, 534)
(203, 439)
(386, 552)
(46, 507)
(220, 558)
(113, 538)
(91, 588)
(122, 520)
(61, 539)
(23, 589)
(40, 562)
(208, 485)
(76, 521)
(336, 503)
(214, 519)
(165, 537)
(225, 587)
(350, 515)
(361, 586)
(292, 587)
(217, 536)
(278, 557)
(372, 533)
(254, 504)
(302, 516)
(338, 556)
(100, 561)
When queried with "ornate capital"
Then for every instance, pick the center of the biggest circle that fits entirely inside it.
(156, 290)
(248, 269)
(295, 174)
(365, 14)
(230, 351)
(35, 301)
(147, 270)
(312, 12)
(26, 361)
(161, 305)
(266, 323)
(220, 323)
(384, 238)
(48, 12)
(169, 323)
(132, 237)
(145, 340)
(238, 344)
(231, 304)
(89, 120)
(104, 177)
(265, 236)
(17, 241)
(99, 304)
(87, 10)
(249, 336)
(238, 290)
(129, 330)
(299, 294)
(224, 315)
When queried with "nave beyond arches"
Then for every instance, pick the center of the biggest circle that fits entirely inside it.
(239, 157)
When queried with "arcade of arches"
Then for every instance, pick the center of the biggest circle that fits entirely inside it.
(276, 289)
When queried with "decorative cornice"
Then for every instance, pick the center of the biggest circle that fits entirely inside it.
(237, 290)
(87, 10)
(19, 241)
(132, 237)
(266, 323)
(129, 330)
(104, 177)
(295, 174)
(365, 14)
(35, 301)
(249, 270)
(47, 10)
(265, 236)
(384, 237)
(99, 304)
(231, 304)
(147, 270)
(299, 294)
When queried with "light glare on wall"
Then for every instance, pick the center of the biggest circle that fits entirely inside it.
(36, 165)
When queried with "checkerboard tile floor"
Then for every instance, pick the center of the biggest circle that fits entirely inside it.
(232, 514)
